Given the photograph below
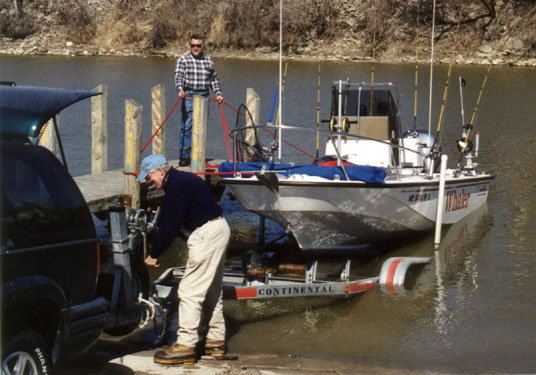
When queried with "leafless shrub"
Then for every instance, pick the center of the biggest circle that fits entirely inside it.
(162, 32)
(249, 24)
(16, 24)
(19, 27)
(75, 15)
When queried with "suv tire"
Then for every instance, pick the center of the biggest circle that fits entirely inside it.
(26, 353)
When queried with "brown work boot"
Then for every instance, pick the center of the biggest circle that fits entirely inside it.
(176, 354)
(215, 348)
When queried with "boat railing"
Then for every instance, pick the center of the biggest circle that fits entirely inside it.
(273, 130)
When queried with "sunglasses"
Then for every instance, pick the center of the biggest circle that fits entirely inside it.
(196, 45)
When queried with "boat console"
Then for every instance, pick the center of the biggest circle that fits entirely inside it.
(364, 123)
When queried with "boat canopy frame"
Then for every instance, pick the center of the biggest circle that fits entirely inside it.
(357, 99)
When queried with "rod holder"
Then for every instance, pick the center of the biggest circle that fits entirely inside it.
(440, 200)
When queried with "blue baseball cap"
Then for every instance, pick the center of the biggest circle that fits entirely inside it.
(150, 162)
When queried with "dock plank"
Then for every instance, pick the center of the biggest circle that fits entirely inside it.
(101, 189)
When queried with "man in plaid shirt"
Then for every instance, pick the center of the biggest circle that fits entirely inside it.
(194, 75)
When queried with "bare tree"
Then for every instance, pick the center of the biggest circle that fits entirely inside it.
(18, 6)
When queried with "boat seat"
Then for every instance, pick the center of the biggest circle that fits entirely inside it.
(376, 127)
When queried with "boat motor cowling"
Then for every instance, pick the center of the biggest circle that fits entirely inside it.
(420, 141)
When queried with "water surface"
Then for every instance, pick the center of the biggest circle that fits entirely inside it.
(473, 309)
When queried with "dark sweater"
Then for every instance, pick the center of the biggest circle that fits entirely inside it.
(188, 201)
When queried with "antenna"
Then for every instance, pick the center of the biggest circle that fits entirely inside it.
(280, 74)
(431, 71)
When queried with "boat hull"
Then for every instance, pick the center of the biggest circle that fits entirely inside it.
(349, 214)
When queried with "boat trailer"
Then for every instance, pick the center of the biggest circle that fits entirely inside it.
(261, 283)
(264, 283)
(248, 281)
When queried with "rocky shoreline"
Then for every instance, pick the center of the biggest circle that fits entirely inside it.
(41, 45)
(504, 36)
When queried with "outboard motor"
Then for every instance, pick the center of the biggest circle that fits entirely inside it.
(420, 141)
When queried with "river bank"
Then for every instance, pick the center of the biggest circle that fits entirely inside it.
(46, 45)
(498, 32)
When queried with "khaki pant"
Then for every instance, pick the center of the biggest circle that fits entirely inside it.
(201, 287)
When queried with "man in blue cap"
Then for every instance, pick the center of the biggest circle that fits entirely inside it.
(189, 202)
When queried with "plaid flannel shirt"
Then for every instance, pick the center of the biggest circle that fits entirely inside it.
(196, 74)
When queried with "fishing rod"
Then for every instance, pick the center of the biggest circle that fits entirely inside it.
(462, 84)
(373, 60)
(466, 144)
(318, 113)
(435, 150)
(473, 117)
(445, 92)
(280, 75)
(284, 77)
(344, 124)
(416, 70)
(443, 102)
(431, 70)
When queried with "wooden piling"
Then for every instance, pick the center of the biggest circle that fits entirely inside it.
(199, 134)
(99, 130)
(48, 137)
(133, 127)
(158, 97)
(253, 104)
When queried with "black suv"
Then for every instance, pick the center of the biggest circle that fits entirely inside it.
(49, 248)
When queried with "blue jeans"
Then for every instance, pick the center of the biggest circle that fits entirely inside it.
(185, 136)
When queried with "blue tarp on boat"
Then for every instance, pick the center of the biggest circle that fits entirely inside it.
(355, 172)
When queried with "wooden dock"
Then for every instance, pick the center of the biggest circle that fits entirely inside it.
(100, 190)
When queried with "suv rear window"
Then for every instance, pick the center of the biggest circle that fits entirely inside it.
(39, 203)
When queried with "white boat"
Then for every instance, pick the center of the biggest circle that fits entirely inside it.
(374, 182)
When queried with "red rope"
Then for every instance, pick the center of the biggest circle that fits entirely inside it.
(290, 144)
(225, 129)
(161, 125)
(234, 109)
